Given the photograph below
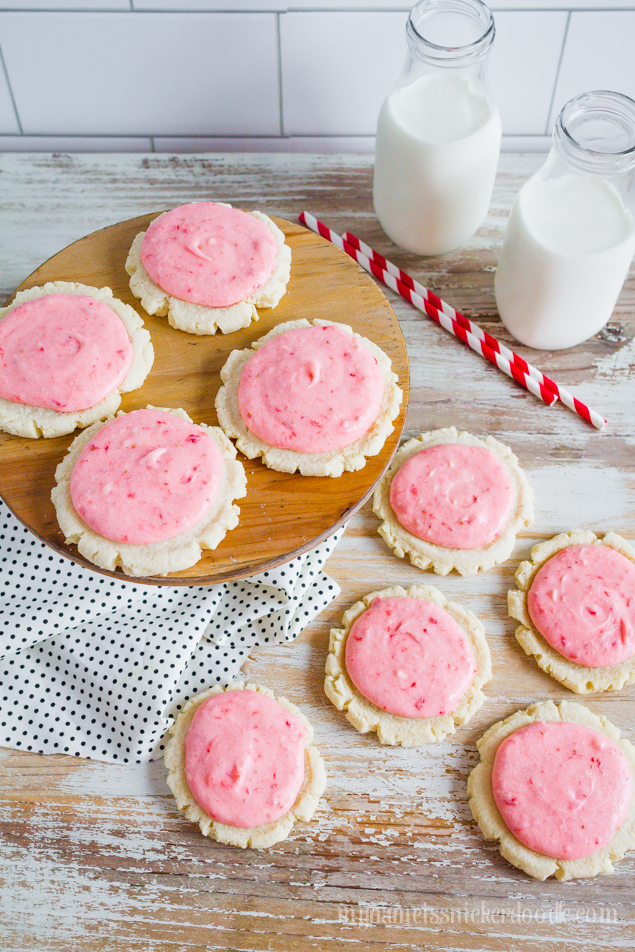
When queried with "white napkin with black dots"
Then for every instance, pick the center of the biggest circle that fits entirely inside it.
(94, 667)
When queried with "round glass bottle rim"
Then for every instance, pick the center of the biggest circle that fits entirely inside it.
(452, 56)
(600, 106)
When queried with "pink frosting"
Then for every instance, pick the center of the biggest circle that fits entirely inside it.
(244, 758)
(582, 601)
(562, 789)
(63, 352)
(209, 254)
(146, 476)
(409, 657)
(453, 495)
(311, 389)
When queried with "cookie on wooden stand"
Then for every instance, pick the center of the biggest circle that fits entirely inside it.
(242, 765)
(407, 664)
(575, 601)
(451, 501)
(310, 397)
(67, 353)
(148, 491)
(209, 267)
(554, 786)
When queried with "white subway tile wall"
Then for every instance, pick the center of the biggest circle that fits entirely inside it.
(336, 70)
(273, 75)
(599, 54)
(143, 74)
(524, 67)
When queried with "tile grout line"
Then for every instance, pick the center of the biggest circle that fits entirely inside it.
(569, 8)
(10, 88)
(280, 93)
(196, 136)
(557, 76)
(74, 10)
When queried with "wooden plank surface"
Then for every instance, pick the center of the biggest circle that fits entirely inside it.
(282, 514)
(96, 857)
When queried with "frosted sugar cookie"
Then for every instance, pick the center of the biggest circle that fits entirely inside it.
(313, 397)
(407, 664)
(242, 765)
(555, 787)
(67, 353)
(576, 604)
(453, 501)
(208, 266)
(147, 491)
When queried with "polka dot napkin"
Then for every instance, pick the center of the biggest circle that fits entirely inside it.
(93, 667)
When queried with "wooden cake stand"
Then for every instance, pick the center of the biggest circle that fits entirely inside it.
(282, 515)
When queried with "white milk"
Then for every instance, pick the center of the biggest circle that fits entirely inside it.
(566, 253)
(438, 142)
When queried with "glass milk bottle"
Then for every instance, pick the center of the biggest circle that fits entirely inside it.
(438, 133)
(570, 236)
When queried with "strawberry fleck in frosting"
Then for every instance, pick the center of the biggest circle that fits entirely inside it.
(145, 477)
(209, 254)
(311, 390)
(244, 758)
(582, 601)
(453, 495)
(562, 789)
(409, 657)
(63, 352)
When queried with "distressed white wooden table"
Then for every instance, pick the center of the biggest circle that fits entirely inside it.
(97, 857)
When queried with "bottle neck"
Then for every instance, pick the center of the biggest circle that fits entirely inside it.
(595, 133)
(449, 42)
(450, 34)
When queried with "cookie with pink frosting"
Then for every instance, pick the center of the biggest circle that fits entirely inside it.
(451, 501)
(313, 397)
(67, 353)
(208, 267)
(575, 601)
(407, 664)
(241, 764)
(147, 491)
(554, 786)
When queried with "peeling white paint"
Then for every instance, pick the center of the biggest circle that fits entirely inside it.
(96, 779)
(618, 361)
(580, 493)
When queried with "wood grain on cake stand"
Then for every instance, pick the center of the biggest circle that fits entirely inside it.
(282, 515)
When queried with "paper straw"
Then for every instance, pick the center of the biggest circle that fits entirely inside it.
(448, 323)
(591, 416)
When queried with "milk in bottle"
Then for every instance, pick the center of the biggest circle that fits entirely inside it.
(570, 237)
(438, 133)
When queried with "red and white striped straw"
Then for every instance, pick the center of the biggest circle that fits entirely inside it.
(591, 416)
(448, 323)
